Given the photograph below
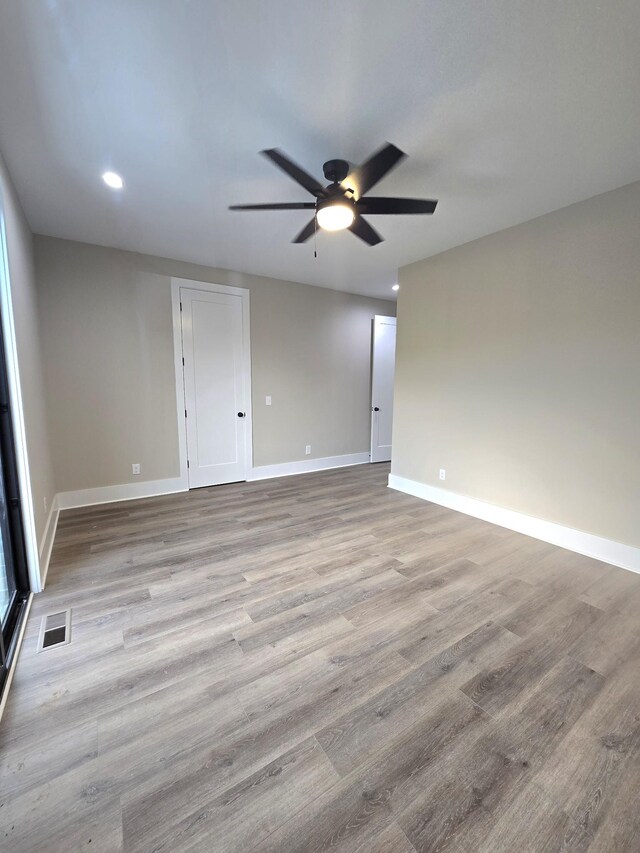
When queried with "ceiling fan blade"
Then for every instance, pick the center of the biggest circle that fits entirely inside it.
(306, 232)
(364, 231)
(374, 169)
(288, 205)
(296, 172)
(375, 205)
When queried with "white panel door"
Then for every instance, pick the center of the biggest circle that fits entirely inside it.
(216, 386)
(383, 367)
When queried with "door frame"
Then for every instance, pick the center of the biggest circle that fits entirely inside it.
(378, 320)
(209, 287)
(17, 411)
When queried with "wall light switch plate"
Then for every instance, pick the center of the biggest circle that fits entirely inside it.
(135, 468)
(307, 449)
(269, 400)
(443, 474)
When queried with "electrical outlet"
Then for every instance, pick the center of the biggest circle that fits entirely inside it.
(307, 449)
(443, 474)
(135, 468)
(44, 501)
(268, 403)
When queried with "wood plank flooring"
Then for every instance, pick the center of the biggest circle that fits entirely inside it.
(318, 663)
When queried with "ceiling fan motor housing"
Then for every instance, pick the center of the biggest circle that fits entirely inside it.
(336, 199)
(335, 170)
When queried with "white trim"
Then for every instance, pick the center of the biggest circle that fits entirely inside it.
(174, 485)
(48, 537)
(304, 466)
(177, 360)
(176, 285)
(607, 550)
(379, 453)
(15, 392)
(14, 661)
(125, 492)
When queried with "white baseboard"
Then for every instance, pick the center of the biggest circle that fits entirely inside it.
(607, 550)
(153, 488)
(12, 669)
(46, 545)
(305, 466)
(125, 492)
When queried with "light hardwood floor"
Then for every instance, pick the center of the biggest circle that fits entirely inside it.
(320, 663)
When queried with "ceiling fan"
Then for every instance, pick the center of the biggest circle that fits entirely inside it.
(343, 202)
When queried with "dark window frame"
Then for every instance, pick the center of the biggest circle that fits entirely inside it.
(13, 528)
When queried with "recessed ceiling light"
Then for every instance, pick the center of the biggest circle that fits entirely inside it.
(396, 287)
(113, 180)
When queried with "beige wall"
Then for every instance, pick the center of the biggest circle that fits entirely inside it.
(23, 297)
(108, 351)
(518, 368)
(311, 351)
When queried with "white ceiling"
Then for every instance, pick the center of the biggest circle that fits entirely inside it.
(507, 108)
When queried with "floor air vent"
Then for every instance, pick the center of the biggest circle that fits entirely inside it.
(55, 630)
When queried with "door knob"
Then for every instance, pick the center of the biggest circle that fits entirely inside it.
(376, 409)
(241, 414)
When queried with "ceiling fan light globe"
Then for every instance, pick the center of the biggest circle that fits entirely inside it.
(335, 217)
